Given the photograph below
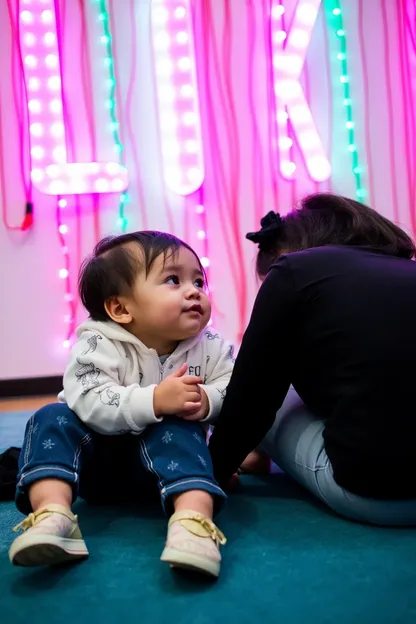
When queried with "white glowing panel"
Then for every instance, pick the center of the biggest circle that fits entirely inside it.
(51, 172)
(177, 95)
(289, 48)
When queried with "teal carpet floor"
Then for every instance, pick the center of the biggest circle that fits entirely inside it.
(287, 561)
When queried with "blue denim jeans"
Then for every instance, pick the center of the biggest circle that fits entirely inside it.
(171, 456)
(296, 445)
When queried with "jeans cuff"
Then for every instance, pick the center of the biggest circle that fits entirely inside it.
(185, 485)
(38, 474)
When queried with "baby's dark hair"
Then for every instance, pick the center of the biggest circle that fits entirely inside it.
(113, 267)
(326, 219)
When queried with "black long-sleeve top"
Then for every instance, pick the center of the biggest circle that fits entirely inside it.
(339, 324)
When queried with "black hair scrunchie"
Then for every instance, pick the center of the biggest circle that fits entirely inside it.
(266, 236)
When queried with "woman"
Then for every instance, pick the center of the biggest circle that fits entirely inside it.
(336, 319)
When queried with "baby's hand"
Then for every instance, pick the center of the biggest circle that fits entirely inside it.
(178, 394)
(201, 412)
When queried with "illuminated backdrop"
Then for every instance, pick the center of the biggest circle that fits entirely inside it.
(193, 116)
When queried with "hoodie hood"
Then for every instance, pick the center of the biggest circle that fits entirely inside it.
(113, 331)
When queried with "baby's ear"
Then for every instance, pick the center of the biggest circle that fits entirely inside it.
(117, 310)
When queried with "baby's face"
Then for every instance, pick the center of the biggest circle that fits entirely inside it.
(171, 303)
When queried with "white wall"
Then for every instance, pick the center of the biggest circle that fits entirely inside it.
(241, 172)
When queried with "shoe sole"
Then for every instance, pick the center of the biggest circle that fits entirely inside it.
(40, 550)
(189, 561)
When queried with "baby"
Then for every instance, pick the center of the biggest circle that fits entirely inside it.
(144, 379)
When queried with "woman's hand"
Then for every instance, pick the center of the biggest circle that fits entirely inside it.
(256, 462)
(233, 483)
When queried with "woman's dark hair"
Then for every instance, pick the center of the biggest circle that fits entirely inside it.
(113, 267)
(326, 219)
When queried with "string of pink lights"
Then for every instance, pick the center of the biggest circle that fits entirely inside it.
(51, 173)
